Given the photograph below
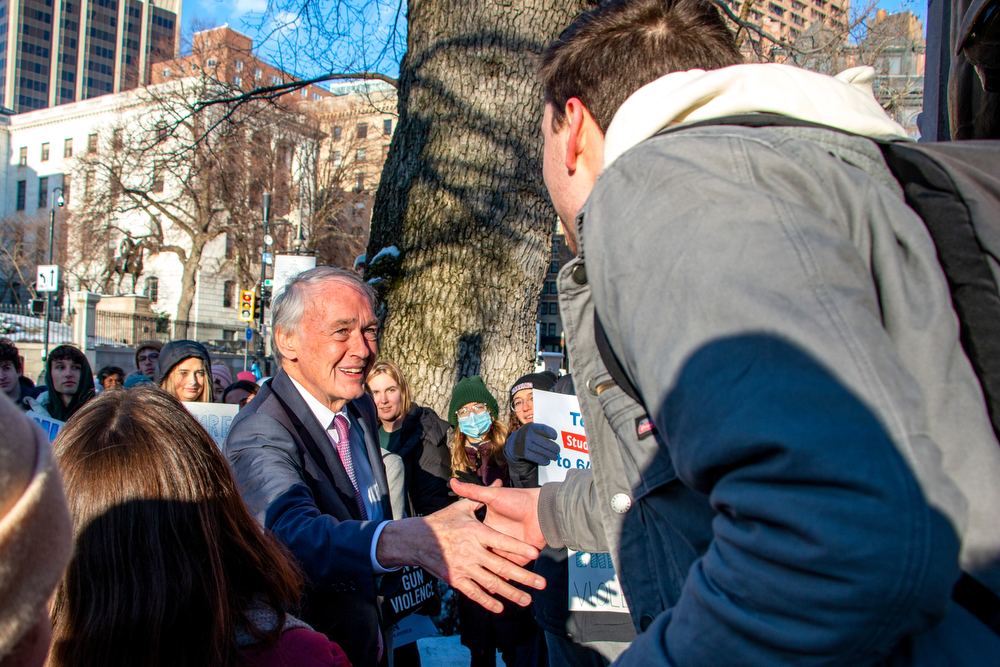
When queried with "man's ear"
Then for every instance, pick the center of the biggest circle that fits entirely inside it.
(288, 344)
(581, 129)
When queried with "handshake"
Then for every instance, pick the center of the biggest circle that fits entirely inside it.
(533, 443)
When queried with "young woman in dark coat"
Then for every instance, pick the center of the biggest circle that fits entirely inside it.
(417, 435)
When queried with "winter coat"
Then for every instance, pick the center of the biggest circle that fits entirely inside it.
(423, 446)
(298, 644)
(819, 432)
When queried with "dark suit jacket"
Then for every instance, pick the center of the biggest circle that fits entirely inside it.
(294, 483)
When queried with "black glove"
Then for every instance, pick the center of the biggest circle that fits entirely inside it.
(534, 443)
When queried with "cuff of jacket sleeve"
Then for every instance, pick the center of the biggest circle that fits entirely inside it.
(376, 568)
(548, 515)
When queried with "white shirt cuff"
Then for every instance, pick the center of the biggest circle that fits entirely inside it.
(376, 568)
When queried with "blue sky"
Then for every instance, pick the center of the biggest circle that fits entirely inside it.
(244, 16)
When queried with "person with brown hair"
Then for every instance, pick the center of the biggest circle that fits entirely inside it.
(69, 384)
(791, 456)
(16, 386)
(184, 371)
(169, 566)
(477, 456)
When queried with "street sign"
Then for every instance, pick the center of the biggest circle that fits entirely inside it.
(268, 282)
(246, 306)
(268, 259)
(249, 334)
(47, 278)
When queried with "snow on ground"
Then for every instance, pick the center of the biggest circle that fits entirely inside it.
(445, 652)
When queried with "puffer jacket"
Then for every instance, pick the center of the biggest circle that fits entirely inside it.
(423, 446)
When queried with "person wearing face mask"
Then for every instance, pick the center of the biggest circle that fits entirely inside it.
(477, 456)
(70, 384)
(184, 371)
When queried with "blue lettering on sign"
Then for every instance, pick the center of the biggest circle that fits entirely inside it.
(577, 419)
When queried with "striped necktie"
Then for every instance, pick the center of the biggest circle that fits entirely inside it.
(344, 452)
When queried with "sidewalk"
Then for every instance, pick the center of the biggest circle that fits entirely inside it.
(445, 652)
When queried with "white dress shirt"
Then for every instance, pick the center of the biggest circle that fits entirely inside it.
(369, 488)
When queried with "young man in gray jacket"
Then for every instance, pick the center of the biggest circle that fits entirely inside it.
(810, 466)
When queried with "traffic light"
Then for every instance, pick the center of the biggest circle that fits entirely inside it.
(246, 306)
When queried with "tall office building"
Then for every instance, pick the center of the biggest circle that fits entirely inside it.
(61, 51)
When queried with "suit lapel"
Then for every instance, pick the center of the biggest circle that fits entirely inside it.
(316, 441)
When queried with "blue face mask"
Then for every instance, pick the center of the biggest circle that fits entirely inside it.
(475, 426)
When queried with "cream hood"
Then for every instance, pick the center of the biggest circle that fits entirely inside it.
(845, 101)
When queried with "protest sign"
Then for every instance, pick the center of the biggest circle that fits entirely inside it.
(593, 583)
(415, 591)
(214, 418)
(412, 628)
(49, 425)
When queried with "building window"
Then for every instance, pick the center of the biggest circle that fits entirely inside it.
(552, 286)
(336, 132)
(304, 92)
(545, 287)
(157, 177)
(230, 247)
(239, 65)
(211, 62)
(117, 140)
(22, 160)
(552, 329)
(45, 152)
(166, 73)
(161, 132)
(362, 130)
(92, 143)
(275, 79)
(336, 159)
(553, 308)
(43, 192)
(360, 155)
(228, 294)
(152, 288)
(66, 189)
(68, 148)
(554, 267)
(88, 185)
(22, 193)
(360, 181)
(237, 81)
(317, 97)
(387, 126)
(257, 74)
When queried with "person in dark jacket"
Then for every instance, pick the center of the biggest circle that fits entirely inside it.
(70, 384)
(16, 386)
(581, 638)
(477, 455)
(184, 371)
(417, 435)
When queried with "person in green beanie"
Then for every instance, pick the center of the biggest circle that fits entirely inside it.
(477, 457)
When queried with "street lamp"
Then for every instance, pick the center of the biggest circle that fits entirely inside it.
(261, 358)
(52, 232)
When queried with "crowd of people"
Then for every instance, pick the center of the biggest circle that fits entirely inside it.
(792, 459)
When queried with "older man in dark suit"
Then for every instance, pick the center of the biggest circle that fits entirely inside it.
(306, 455)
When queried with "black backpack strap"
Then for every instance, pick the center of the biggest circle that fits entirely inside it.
(934, 195)
(978, 600)
(611, 362)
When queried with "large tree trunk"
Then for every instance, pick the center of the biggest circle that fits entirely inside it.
(189, 279)
(462, 196)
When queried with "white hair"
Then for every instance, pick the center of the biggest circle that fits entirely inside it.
(288, 307)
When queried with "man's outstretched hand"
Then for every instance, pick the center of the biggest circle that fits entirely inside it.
(453, 545)
(513, 512)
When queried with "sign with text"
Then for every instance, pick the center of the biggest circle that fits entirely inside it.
(47, 278)
(214, 418)
(287, 267)
(593, 583)
(49, 425)
(412, 628)
(415, 591)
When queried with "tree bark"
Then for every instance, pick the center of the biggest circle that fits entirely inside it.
(462, 196)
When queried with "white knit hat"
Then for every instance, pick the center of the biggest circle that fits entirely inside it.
(36, 532)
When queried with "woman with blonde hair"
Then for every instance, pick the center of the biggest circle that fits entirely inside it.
(169, 567)
(417, 435)
(184, 371)
(477, 457)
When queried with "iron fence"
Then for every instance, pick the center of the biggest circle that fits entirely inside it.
(24, 323)
(115, 329)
